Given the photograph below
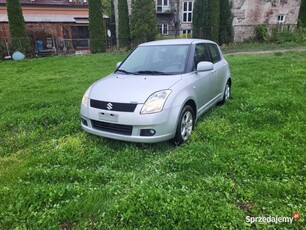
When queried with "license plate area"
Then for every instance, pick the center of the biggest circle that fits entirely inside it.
(108, 117)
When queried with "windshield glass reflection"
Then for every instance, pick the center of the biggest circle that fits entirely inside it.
(156, 60)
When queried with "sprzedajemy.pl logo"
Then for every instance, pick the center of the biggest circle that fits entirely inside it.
(273, 219)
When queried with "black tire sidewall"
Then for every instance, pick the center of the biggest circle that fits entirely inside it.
(178, 139)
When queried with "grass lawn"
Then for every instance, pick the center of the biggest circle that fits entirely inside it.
(246, 158)
(251, 47)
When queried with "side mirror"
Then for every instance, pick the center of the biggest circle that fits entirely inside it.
(118, 64)
(205, 66)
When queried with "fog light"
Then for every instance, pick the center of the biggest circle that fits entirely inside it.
(147, 132)
(84, 121)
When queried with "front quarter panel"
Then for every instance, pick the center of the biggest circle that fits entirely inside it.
(183, 91)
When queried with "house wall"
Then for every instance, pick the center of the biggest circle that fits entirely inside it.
(54, 14)
(249, 13)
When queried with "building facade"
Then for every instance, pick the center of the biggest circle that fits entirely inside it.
(64, 23)
(61, 25)
(175, 16)
(276, 14)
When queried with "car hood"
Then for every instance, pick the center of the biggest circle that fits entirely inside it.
(130, 88)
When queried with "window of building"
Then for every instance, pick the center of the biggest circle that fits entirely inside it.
(162, 2)
(187, 11)
(187, 33)
(163, 29)
(80, 36)
(281, 19)
(162, 5)
(80, 32)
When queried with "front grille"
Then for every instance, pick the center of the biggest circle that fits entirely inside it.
(112, 128)
(113, 106)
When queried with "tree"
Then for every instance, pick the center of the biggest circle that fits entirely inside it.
(199, 18)
(206, 19)
(302, 14)
(123, 23)
(107, 6)
(213, 15)
(19, 38)
(226, 20)
(96, 27)
(143, 21)
(212, 19)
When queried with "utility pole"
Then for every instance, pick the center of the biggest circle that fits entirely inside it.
(177, 18)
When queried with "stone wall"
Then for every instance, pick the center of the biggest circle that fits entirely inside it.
(249, 13)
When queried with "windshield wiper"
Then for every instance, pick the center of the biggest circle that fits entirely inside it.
(151, 72)
(124, 71)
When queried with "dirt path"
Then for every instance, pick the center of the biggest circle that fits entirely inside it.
(268, 51)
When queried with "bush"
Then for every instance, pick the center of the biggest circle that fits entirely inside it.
(262, 34)
(96, 27)
(299, 36)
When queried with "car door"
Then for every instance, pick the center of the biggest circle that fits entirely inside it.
(220, 68)
(205, 81)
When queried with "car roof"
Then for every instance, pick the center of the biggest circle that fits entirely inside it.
(179, 41)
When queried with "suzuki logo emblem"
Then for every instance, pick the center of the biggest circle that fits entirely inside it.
(109, 106)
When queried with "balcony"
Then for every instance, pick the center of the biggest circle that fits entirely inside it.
(164, 9)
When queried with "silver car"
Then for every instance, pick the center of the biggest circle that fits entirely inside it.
(158, 92)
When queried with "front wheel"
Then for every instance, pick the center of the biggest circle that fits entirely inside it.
(185, 125)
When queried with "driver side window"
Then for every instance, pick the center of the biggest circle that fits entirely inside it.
(200, 54)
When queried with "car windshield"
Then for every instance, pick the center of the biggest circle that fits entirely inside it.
(156, 60)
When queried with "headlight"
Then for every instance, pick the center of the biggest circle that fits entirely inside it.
(85, 98)
(155, 102)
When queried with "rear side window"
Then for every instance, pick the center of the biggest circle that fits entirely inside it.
(214, 52)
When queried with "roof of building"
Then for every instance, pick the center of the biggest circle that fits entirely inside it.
(80, 19)
(52, 3)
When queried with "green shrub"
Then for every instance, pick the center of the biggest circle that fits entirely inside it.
(145, 29)
(298, 36)
(18, 34)
(124, 24)
(262, 34)
(96, 27)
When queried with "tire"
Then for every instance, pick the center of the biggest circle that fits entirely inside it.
(226, 93)
(185, 125)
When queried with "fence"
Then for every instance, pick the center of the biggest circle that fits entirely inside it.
(47, 46)
(50, 46)
(60, 46)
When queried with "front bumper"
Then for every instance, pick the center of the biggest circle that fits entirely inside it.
(130, 126)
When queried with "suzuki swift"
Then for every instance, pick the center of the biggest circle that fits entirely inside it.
(158, 92)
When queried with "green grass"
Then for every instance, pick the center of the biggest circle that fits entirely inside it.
(246, 158)
(255, 46)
